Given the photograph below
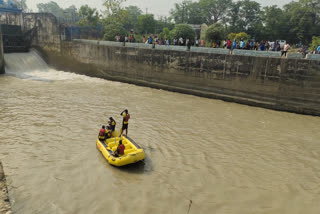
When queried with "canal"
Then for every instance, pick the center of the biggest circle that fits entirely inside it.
(224, 157)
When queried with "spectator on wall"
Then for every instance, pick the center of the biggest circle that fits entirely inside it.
(242, 44)
(286, 47)
(318, 49)
(234, 44)
(267, 46)
(225, 43)
(218, 44)
(202, 42)
(251, 44)
(278, 47)
(262, 46)
(229, 44)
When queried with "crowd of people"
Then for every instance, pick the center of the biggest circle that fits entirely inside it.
(107, 131)
(126, 38)
(226, 44)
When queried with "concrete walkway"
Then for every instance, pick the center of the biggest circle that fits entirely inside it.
(5, 207)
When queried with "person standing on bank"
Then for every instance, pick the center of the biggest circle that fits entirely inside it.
(126, 116)
(286, 47)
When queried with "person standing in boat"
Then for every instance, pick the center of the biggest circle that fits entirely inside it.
(112, 124)
(126, 116)
(102, 133)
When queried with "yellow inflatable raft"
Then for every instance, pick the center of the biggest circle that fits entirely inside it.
(132, 153)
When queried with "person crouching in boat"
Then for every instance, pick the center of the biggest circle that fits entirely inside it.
(126, 116)
(112, 124)
(120, 149)
(102, 133)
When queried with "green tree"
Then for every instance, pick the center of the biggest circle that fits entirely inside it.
(163, 22)
(303, 21)
(233, 17)
(215, 10)
(183, 30)
(250, 18)
(133, 13)
(249, 14)
(113, 6)
(166, 33)
(238, 36)
(115, 15)
(112, 30)
(215, 32)
(69, 14)
(51, 7)
(232, 36)
(146, 24)
(241, 35)
(275, 23)
(116, 19)
(88, 16)
(187, 12)
(315, 43)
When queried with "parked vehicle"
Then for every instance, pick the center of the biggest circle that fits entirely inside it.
(281, 42)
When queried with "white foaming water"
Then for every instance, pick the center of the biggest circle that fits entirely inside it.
(32, 66)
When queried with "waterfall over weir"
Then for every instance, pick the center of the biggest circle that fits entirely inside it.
(24, 62)
(32, 66)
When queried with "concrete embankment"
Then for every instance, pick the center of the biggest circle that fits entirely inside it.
(261, 79)
(5, 207)
(264, 80)
(282, 84)
(2, 70)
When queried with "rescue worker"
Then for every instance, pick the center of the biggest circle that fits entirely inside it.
(108, 134)
(126, 116)
(120, 149)
(102, 133)
(112, 124)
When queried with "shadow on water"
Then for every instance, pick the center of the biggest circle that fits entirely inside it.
(141, 167)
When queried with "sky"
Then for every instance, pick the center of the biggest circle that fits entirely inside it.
(156, 7)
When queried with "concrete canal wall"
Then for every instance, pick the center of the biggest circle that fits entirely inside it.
(277, 83)
(261, 79)
(2, 69)
(5, 207)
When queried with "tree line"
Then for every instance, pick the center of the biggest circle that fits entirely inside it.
(296, 22)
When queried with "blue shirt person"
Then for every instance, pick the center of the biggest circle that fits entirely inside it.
(234, 44)
(242, 44)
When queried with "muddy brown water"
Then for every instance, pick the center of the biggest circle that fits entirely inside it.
(225, 157)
